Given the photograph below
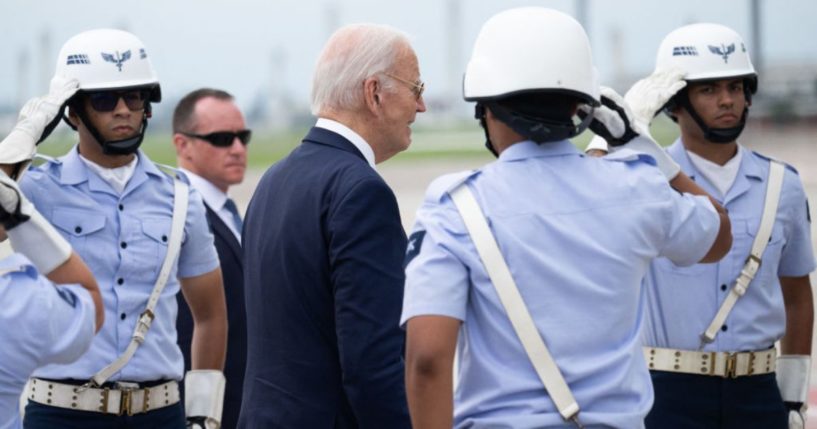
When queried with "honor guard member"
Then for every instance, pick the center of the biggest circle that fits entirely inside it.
(56, 323)
(144, 235)
(711, 329)
(497, 263)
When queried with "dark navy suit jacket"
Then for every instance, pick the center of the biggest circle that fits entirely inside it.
(323, 249)
(232, 271)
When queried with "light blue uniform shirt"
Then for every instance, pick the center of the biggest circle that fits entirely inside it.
(683, 301)
(578, 234)
(123, 239)
(39, 324)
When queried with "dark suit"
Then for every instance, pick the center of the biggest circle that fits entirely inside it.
(324, 247)
(232, 271)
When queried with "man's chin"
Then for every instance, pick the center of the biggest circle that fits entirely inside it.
(122, 136)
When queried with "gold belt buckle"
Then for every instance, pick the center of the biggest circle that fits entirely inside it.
(126, 397)
(731, 365)
(125, 402)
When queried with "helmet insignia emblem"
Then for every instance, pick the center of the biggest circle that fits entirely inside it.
(118, 60)
(723, 50)
(684, 51)
(77, 59)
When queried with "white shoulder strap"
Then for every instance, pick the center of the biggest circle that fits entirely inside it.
(514, 305)
(181, 194)
(774, 185)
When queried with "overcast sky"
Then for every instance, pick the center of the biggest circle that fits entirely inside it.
(251, 47)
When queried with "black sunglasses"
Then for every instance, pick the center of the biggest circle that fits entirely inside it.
(223, 138)
(106, 101)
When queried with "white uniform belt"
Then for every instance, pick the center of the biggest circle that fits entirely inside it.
(118, 401)
(718, 364)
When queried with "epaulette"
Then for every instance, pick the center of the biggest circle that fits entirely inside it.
(770, 159)
(9, 270)
(443, 184)
(630, 156)
(173, 172)
(40, 159)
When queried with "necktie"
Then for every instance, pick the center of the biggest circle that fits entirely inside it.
(230, 206)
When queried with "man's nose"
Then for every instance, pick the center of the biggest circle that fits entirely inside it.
(726, 98)
(121, 107)
(421, 104)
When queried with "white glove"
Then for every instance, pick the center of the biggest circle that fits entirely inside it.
(649, 95)
(14, 207)
(613, 119)
(612, 122)
(793, 380)
(37, 119)
(28, 232)
(204, 398)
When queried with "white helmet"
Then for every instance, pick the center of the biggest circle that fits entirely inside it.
(523, 54)
(531, 49)
(705, 52)
(108, 59)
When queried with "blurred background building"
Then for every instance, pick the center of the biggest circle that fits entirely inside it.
(263, 51)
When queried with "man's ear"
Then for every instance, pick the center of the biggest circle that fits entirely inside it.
(181, 143)
(72, 115)
(371, 93)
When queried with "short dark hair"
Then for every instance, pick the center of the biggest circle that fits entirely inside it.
(184, 119)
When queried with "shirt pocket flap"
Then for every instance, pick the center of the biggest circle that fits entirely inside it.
(158, 230)
(752, 228)
(76, 222)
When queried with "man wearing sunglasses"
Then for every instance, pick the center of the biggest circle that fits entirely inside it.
(324, 245)
(211, 149)
(118, 210)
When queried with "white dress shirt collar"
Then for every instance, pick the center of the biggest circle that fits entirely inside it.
(214, 199)
(350, 135)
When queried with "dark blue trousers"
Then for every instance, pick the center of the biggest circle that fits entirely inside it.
(39, 416)
(687, 401)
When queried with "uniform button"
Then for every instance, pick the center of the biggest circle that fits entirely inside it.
(723, 287)
(724, 328)
(164, 238)
(121, 207)
(120, 280)
(122, 316)
(78, 229)
(124, 245)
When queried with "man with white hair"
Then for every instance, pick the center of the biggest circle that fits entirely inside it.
(324, 247)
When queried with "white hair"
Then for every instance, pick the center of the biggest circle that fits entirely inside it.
(353, 54)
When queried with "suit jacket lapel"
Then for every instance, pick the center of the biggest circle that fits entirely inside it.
(220, 229)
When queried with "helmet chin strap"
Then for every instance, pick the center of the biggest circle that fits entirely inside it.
(714, 135)
(540, 130)
(479, 113)
(125, 146)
